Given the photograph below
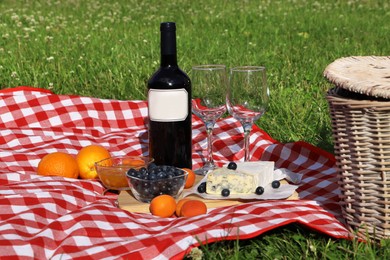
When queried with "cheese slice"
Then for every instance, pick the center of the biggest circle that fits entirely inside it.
(237, 182)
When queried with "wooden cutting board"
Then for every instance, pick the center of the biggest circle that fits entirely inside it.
(127, 201)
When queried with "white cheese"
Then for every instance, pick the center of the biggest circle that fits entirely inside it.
(237, 182)
(244, 180)
(263, 170)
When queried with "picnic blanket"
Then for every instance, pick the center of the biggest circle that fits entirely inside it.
(59, 218)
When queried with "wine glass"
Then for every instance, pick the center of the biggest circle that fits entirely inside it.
(247, 98)
(209, 83)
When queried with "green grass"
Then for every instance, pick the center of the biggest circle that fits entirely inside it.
(294, 242)
(108, 50)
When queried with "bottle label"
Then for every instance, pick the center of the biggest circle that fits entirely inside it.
(168, 105)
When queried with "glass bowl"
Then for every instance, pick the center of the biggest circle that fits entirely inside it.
(145, 187)
(112, 171)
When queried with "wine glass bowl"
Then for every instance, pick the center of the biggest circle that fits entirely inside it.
(207, 111)
(247, 98)
(209, 84)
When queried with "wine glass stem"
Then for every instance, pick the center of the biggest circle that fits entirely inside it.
(247, 131)
(210, 160)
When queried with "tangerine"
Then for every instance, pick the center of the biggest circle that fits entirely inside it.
(163, 206)
(88, 156)
(58, 164)
(193, 208)
(190, 178)
(179, 205)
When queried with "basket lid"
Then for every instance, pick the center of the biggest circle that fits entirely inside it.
(368, 75)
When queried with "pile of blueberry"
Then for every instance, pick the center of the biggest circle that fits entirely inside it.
(156, 180)
(226, 192)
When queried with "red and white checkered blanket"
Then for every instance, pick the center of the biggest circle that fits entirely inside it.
(60, 218)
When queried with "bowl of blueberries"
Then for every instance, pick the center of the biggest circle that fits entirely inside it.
(148, 182)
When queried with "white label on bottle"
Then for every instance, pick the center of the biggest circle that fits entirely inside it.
(168, 105)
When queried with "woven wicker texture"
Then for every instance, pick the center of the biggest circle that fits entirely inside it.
(369, 75)
(361, 135)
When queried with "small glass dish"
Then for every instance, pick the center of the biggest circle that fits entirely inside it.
(145, 190)
(112, 171)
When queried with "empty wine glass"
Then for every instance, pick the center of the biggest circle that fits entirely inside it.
(247, 98)
(209, 83)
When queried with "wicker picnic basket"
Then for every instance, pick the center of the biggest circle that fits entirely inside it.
(360, 114)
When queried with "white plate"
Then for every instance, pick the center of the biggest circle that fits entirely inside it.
(283, 192)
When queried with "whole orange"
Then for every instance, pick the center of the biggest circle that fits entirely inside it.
(58, 164)
(190, 178)
(193, 208)
(87, 157)
(163, 206)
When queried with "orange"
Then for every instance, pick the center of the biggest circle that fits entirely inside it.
(193, 208)
(87, 157)
(163, 206)
(190, 178)
(58, 164)
(179, 205)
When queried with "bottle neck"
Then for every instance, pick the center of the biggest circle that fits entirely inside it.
(168, 48)
(168, 61)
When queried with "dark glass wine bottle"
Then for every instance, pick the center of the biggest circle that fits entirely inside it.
(169, 104)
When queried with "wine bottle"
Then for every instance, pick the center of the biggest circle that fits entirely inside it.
(169, 107)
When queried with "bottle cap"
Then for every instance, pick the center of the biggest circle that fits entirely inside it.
(168, 26)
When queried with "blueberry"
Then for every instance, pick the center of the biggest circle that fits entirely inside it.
(151, 166)
(145, 192)
(275, 184)
(232, 166)
(152, 177)
(163, 187)
(143, 170)
(225, 192)
(153, 171)
(259, 190)
(157, 169)
(170, 175)
(202, 187)
(154, 190)
(142, 176)
(131, 172)
(161, 175)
